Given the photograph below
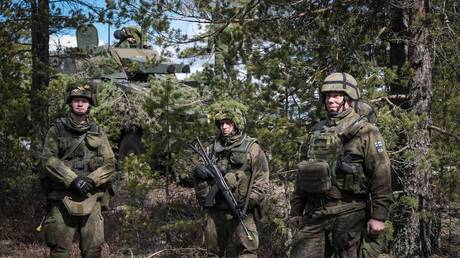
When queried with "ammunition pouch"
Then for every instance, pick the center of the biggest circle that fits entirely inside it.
(351, 178)
(314, 176)
(80, 205)
(241, 193)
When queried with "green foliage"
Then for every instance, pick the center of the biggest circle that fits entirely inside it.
(55, 93)
(272, 58)
(282, 139)
(121, 109)
(410, 201)
(178, 118)
(15, 135)
(389, 230)
(138, 180)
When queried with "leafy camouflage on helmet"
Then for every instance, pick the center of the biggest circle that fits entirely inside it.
(228, 109)
(81, 89)
(341, 82)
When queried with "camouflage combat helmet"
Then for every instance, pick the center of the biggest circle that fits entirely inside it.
(341, 82)
(228, 109)
(81, 89)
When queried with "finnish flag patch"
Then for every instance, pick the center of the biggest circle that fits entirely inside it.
(379, 146)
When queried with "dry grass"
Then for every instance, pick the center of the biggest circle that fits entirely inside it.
(174, 241)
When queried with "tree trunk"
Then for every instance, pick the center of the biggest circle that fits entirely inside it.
(398, 49)
(414, 239)
(40, 76)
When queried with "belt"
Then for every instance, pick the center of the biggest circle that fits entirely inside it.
(338, 209)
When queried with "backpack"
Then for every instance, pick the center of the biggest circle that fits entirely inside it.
(366, 110)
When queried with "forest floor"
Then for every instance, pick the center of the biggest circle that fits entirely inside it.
(119, 246)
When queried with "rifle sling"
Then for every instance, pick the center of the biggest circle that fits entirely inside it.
(246, 201)
(251, 182)
(74, 147)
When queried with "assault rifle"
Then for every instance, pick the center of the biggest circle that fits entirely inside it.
(220, 185)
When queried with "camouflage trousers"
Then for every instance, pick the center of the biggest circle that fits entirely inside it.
(340, 236)
(60, 228)
(225, 237)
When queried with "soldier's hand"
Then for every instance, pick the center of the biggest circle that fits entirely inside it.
(296, 221)
(83, 185)
(201, 172)
(375, 226)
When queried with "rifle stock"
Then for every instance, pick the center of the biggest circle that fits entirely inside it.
(220, 185)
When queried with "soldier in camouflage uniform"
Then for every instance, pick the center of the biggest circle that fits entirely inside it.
(245, 169)
(343, 190)
(129, 37)
(79, 166)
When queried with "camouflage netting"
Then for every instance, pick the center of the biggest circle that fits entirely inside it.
(120, 111)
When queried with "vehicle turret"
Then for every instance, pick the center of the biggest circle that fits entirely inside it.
(129, 64)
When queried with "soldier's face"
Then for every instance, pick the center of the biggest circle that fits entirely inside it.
(226, 127)
(335, 102)
(79, 105)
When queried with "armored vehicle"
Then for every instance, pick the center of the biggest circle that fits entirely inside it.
(130, 70)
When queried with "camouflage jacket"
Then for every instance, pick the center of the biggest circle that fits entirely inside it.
(364, 148)
(93, 158)
(238, 163)
(136, 34)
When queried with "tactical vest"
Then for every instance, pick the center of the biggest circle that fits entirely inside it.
(235, 166)
(87, 157)
(328, 170)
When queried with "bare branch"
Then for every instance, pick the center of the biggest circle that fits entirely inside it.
(445, 132)
(286, 171)
(399, 151)
(177, 249)
(389, 99)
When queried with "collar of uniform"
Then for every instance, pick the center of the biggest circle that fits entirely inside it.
(228, 143)
(347, 122)
(340, 117)
(76, 127)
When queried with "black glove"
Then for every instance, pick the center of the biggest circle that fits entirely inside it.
(83, 185)
(201, 172)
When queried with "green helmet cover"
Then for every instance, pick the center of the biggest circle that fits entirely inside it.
(341, 82)
(228, 109)
(82, 89)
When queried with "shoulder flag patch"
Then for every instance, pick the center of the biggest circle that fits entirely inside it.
(379, 146)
